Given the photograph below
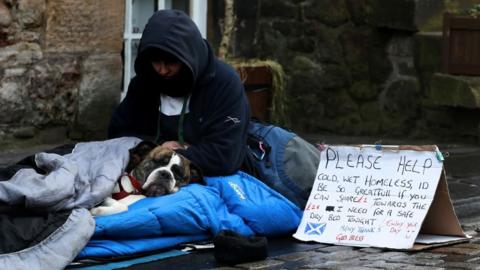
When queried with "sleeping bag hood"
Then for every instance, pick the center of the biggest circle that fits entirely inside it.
(173, 32)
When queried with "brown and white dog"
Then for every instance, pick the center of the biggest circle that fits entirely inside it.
(152, 171)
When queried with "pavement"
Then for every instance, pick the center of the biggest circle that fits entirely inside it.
(463, 179)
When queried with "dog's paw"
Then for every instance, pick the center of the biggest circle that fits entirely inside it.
(95, 211)
(108, 208)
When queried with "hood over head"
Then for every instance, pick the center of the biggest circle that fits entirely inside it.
(173, 32)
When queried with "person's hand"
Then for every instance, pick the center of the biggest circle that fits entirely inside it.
(173, 145)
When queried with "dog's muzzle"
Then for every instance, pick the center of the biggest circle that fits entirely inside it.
(161, 181)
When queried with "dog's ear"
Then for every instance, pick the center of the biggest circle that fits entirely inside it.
(196, 174)
(138, 153)
(145, 146)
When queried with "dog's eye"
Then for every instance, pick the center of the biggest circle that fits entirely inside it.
(166, 160)
(177, 171)
(162, 161)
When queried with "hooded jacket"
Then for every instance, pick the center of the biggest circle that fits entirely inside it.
(216, 124)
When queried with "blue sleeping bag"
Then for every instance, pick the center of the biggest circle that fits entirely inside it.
(238, 202)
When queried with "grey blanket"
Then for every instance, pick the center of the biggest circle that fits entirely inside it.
(81, 179)
(77, 182)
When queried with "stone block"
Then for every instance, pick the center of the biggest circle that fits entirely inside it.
(5, 15)
(380, 67)
(398, 14)
(52, 134)
(371, 122)
(474, 259)
(358, 10)
(462, 191)
(447, 123)
(14, 72)
(10, 92)
(303, 103)
(42, 83)
(306, 108)
(364, 53)
(84, 26)
(364, 90)
(457, 251)
(416, 261)
(400, 46)
(25, 132)
(50, 94)
(400, 104)
(272, 44)
(334, 77)
(462, 265)
(286, 27)
(428, 53)
(18, 54)
(305, 65)
(12, 109)
(3, 138)
(454, 91)
(313, 262)
(296, 256)
(244, 8)
(335, 260)
(28, 36)
(469, 245)
(371, 250)
(268, 263)
(406, 68)
(428, 255)
(100, 88)
(280, 9)
(328, 46)
(396, 266)
(342, 102)
(348, 124)
(303, 45)
(411, 15)
(402, 97)
(331, 13)
(31, 12)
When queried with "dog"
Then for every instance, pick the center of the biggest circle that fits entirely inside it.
(151, 171)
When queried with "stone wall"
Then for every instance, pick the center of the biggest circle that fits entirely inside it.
(60, 68)
(356, 67)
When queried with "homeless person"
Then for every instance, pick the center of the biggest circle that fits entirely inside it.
(185, 97)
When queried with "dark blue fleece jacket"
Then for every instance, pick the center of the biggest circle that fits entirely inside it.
(217, 122)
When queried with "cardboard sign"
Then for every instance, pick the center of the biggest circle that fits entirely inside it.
(379, 196)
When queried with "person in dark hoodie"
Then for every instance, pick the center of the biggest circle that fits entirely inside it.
(184, 97)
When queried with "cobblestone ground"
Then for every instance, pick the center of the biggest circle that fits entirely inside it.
(458, 256)
(463, 177)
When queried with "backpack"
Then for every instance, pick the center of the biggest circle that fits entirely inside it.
(283, 161)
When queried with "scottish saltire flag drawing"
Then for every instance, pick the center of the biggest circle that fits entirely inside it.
(315, 228)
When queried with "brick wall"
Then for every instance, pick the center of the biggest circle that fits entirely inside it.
(60, 68)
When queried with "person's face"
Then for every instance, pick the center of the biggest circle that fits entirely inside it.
(166, 68)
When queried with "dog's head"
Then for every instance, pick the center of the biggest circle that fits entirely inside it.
(164, 171)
